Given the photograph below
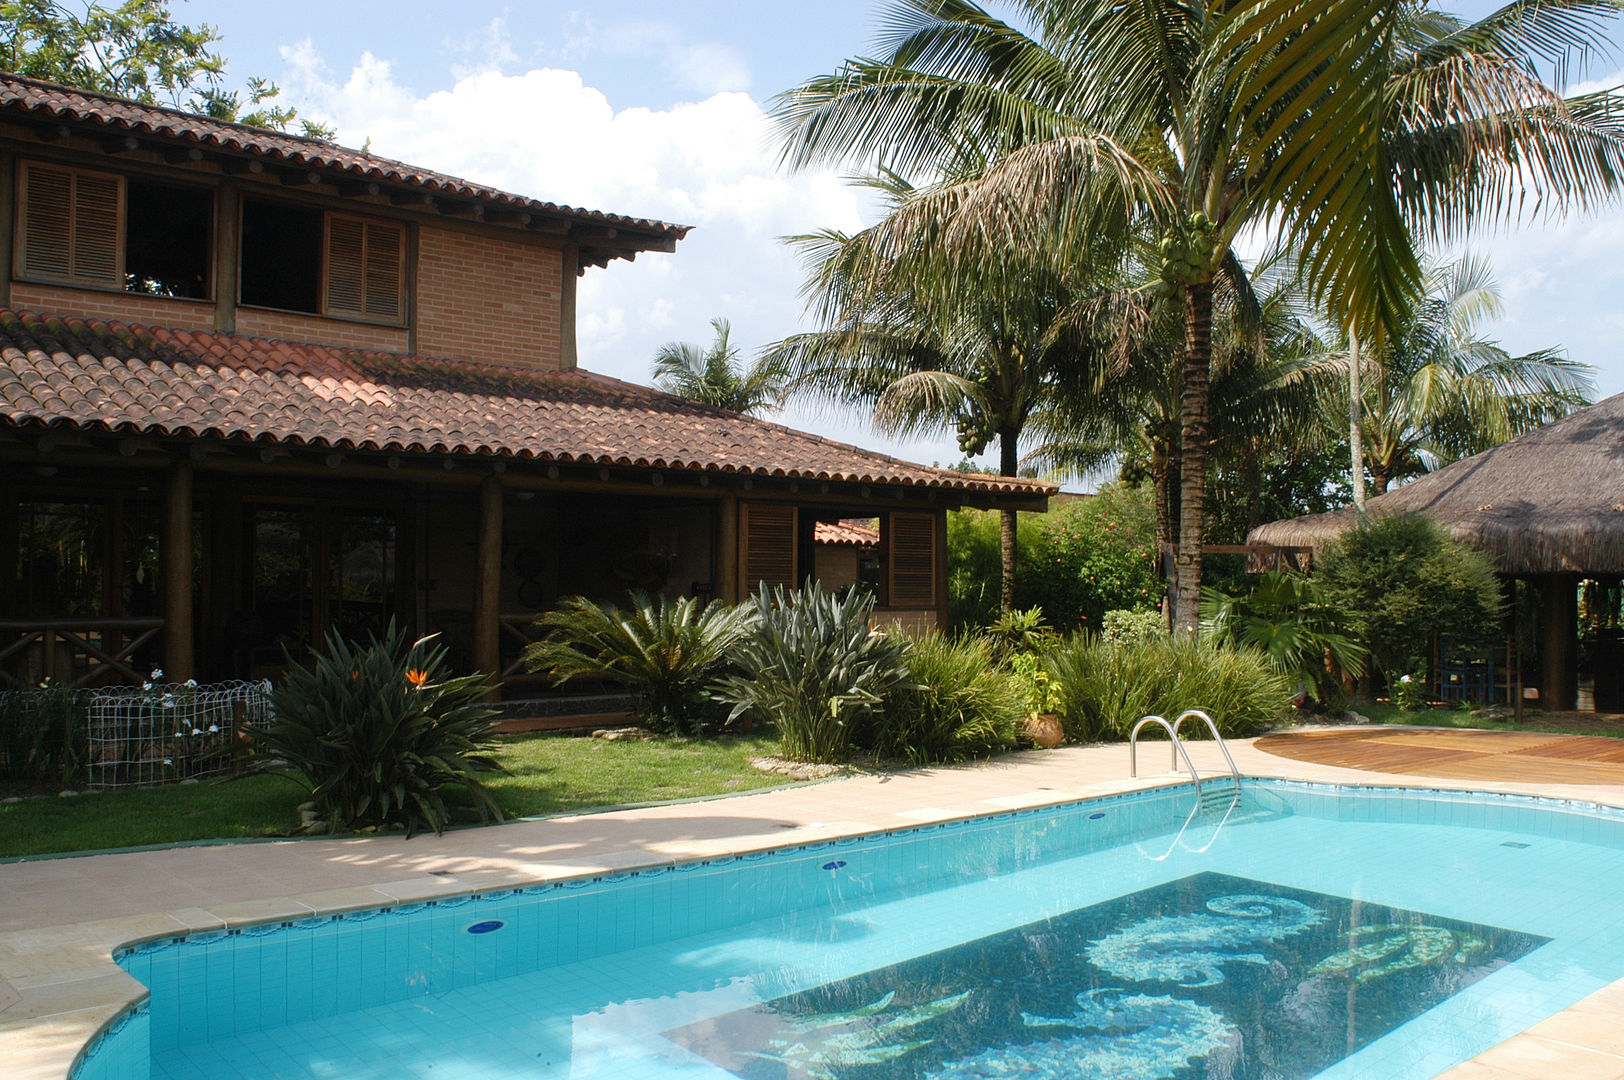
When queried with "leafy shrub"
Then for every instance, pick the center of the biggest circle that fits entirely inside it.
(1402, 579)
(381, 731)
(1287, 616)
(1410, 692)
(812, 667)
(1076, 562)
(1105, 688)
(1037, 688)
(957, 703)
(42, 734)
(667, 653)
(1124, 627)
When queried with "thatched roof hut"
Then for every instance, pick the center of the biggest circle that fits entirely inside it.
(1548, 502)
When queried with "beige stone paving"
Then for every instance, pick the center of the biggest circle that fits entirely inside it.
(60, 919)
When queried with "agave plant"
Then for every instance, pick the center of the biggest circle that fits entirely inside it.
(814, 668)
(1287, 616)
(666, 652)
(381, 731)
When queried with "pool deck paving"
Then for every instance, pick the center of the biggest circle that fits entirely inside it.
(61, 918)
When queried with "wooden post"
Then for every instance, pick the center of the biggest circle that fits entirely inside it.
(175, 562)
(1559, 633)
(488, 578)
(727, 549)
(941, 570)
(8, 198)
(227, 246)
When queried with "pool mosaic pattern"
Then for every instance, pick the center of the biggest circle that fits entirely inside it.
(614, 987)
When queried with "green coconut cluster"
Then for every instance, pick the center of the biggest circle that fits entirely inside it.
(1187, 254)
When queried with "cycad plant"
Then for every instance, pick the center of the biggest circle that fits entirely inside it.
(380, 731)
(814, 668)
(666, 651)
(1288, 617)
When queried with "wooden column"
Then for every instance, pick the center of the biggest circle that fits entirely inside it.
(488, 578)
(227, 253)
(1559, 641)
(941, 570)
(727, 549)
(175, 562)
(8, 214)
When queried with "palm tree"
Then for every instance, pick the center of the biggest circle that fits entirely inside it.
(717, 376)
(1339, 125)
(1437, 391)
(929, 352)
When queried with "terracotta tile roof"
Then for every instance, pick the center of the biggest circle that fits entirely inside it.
(118, 377)
(852, 532)
(120, 116)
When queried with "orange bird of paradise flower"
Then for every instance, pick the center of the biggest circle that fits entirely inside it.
(417, 677)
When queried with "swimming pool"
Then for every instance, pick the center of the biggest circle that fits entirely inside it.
(1320, 931)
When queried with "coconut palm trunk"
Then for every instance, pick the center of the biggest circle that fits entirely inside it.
(1008, 462)
(1193, 455)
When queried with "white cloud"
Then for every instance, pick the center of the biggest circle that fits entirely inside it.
(488, 48)
(709, 164)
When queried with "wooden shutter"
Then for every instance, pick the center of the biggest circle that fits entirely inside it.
(364, 268)
(72, 225)
(912, 559)
(767, 537)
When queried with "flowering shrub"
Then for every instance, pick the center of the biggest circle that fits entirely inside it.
(382, 731)
(42, 737)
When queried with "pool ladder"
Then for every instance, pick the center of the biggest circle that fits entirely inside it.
(1204, 797)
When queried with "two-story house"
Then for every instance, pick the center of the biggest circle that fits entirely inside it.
(254, 387)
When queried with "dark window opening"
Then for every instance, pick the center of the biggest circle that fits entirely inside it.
(168, 233)
(281, 256)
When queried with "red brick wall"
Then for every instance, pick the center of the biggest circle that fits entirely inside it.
(321, 331)
(123, 307)
(487, 298)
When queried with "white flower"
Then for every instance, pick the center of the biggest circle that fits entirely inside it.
(169, 701)
(213, 728)
(146, 686)
(196, 732)
(191, 684)
(169, 761)
(1403, 678)
(157, 673)
(180, 734)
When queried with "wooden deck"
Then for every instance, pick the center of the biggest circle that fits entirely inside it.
(1459, 754)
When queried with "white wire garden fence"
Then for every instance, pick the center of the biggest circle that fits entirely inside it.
(164, 733)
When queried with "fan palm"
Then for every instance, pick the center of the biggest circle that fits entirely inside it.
(1340, 125)
(1437, 391)
(718, 375)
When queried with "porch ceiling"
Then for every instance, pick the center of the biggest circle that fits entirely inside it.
(128, 379)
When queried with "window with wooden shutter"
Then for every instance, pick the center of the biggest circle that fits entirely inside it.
(911, 539)
(767, 537)
(365, 268)
(72, 225)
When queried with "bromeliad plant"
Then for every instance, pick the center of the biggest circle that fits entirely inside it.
(814, 668)
(382, 731)
(667, 653)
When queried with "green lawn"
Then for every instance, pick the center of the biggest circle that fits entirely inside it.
(546, 774)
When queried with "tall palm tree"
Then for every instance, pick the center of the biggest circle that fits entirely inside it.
(930, 352)
(1437, 390)
(1340, 125)
(717, 375)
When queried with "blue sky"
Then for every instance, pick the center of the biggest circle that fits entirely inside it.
(657, 109)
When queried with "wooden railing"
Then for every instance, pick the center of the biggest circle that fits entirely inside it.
(522, 628)
(73, 652)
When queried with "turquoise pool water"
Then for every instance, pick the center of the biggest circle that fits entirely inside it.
(1326, 932)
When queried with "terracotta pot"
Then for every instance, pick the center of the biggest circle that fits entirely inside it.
(1044, 729)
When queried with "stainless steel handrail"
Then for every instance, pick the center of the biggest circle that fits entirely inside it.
(1217, 738)
(1178, 749)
